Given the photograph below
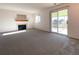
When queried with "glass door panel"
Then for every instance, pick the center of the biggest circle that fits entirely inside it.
(62, 21)
(54, 22)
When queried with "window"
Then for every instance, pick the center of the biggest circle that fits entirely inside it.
(37, 19)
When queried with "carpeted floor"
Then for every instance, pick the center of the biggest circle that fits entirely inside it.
(35, 42)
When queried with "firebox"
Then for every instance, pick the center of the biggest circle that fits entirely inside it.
(22, 27)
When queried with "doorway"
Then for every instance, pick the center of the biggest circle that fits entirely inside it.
(59, 21)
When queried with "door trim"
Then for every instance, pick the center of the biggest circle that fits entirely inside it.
(57, 15)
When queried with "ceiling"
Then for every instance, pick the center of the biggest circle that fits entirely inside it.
(26, 7)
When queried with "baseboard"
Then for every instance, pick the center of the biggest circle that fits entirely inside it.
(41, 30)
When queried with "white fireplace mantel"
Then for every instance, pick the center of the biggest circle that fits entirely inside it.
(21, 23)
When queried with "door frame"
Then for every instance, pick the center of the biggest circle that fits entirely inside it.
(55, 10)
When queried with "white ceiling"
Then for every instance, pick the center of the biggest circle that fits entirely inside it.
(26, 7)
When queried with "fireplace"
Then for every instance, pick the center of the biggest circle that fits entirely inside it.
(22, 27)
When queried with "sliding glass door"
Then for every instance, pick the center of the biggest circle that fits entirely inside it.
(59, 21)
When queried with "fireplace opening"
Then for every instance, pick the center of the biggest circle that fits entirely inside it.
(22, 27)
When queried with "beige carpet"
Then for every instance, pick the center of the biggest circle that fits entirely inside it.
(35, 42)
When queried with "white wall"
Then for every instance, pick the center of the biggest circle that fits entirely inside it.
(73, 24)
(44, 22)
(7, 20)
(74, 21)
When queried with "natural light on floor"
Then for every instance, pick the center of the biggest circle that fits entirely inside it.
(10, 33)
